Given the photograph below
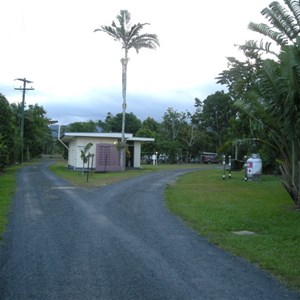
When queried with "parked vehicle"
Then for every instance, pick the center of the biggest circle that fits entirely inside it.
(209, 158)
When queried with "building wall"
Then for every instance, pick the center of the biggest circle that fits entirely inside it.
(137, 155)
(108, 158)
(72, 154)
(78, 143)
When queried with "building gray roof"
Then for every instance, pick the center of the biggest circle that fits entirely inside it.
(113, 135)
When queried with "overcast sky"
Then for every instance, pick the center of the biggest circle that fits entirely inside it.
(77, 73)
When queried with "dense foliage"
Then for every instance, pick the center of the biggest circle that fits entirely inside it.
(37, 134)
(268, 90)
(180, 136)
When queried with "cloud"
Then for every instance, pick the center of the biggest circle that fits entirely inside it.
(77, 73)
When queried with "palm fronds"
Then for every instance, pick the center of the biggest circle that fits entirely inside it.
(255, 46)
(129, 35)
(282, 20)
(283, 27)
(266, 30)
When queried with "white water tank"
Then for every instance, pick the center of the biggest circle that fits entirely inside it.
(254, 167)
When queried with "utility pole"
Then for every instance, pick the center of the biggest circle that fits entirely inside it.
(23, 89)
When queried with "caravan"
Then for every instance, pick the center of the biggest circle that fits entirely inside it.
(209, 158)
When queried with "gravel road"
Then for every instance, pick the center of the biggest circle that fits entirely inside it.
(115, 242)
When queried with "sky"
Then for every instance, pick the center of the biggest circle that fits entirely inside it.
(76, 72)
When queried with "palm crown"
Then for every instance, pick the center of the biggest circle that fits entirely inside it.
(128, 35)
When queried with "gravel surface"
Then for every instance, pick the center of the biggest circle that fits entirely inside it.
(115, 242)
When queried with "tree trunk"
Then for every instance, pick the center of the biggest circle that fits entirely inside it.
(124, 62)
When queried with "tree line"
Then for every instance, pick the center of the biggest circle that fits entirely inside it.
(37, 133)
(180, 136)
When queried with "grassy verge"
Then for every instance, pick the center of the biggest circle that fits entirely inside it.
(216, 208)
(7, 189)
(94, 179)
(100, 179)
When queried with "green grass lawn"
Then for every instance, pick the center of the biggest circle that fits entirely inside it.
(7, 189)
(100, 179)
(217, 208)
(93, 179)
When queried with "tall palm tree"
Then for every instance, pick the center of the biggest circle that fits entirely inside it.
(129, 36)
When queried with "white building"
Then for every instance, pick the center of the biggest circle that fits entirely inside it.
(105, 155)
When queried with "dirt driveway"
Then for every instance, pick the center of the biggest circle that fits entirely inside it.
(115, 242)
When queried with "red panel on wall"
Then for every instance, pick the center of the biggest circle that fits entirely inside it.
(108, 158)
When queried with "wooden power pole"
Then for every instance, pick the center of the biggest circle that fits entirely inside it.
(23, 89)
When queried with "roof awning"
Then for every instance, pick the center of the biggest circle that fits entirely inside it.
(68, 136)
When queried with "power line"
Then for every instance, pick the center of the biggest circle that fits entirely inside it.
(23, 89)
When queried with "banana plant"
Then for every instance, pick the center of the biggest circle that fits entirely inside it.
(273, 104)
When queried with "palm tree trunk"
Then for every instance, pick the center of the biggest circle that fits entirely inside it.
(124, 62)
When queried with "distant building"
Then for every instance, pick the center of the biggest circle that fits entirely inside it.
(105, 154)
